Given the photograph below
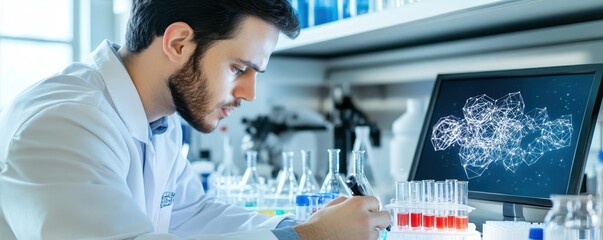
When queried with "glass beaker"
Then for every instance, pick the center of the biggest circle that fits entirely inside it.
(251, 185)
(307, 182)
(286, 189)
(333, 182)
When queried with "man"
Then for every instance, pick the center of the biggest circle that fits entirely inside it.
(93, 151)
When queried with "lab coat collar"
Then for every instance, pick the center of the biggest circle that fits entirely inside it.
(122, 90)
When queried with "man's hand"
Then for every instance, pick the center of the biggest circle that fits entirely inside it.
(343, 218)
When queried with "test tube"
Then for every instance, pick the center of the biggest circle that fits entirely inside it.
(462, 217)
(314, 203)
(450, 202)
(441, 213)
(428, 211)
(302, 204)
(402, 213)
(416, 197)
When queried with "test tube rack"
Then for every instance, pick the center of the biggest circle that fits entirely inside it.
(470, 234)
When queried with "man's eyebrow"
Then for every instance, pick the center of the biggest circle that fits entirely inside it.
(251, 65)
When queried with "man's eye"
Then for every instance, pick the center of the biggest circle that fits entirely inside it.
(238, 71)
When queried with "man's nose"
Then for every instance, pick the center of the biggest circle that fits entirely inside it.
(245, 86)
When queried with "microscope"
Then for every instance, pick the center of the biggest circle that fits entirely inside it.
(288, 130)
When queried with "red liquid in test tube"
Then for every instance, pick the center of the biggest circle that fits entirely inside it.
(403, 219)
(450, 221)
(428, 221)
(415, 220)
(462, 223)
(441, 222)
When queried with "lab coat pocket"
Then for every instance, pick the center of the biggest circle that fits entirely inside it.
(165, 211)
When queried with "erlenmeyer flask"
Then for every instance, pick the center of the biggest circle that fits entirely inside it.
(227, 168)
(334, 183)
(227, 176)
(363, 143)
(251, 186)
(307, 182)
(287, 185)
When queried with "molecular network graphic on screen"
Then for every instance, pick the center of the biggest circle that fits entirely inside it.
(493, 131)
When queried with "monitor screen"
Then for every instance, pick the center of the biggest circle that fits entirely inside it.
(517, 136)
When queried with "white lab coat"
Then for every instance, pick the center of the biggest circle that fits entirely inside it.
(71, 166)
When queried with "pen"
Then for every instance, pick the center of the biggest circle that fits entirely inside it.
(358, 190)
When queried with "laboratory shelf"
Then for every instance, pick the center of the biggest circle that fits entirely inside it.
(429, 20)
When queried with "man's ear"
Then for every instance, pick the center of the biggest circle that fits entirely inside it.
(178, 44)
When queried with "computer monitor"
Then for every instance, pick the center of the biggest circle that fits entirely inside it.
(517, 136)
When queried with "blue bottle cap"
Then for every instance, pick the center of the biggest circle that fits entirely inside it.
(302, 200)
(326, 198)
(535, 233)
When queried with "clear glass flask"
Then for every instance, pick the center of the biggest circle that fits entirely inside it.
(363, 143)
(287, 187)
(251, 186)
(227, 167)
(333, 182)
(358, 159)
(307, 182)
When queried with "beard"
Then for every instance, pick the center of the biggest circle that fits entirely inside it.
(189, 87)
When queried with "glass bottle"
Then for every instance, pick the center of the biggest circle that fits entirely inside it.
(324, 11)
(251, 185)
(287, 187)
(333, 182)
(555, 219)
(307, 182)
(363, 143)
(582, 220)
(301, 8)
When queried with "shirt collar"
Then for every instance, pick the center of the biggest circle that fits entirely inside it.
(159, 126)
(122, 91)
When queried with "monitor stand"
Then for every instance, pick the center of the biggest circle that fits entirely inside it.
(513, 212)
